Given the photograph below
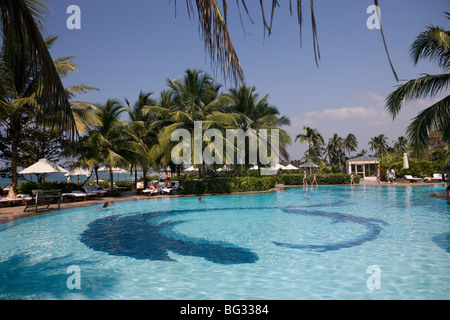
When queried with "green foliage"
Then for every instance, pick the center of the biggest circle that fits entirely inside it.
(416, 168)
(28, 187)
(227, 185)
(424, 168)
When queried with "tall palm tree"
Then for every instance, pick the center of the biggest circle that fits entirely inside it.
(335, 151)
(253, 114)
(141, 130)
(400, 144)
(107, 137)
(350, 143)
(21, 28)
(314, 140)
(434, 45)
(379, 144)
(194, 98)
(19, 103)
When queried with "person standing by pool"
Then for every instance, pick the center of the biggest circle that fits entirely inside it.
(11, 191)
(352, 176)
(378, 175)
(393, 177)
(305, 182)
(314, 180)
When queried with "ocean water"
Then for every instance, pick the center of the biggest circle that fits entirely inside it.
(327, 242)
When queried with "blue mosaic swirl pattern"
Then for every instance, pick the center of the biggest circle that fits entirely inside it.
(136, 236)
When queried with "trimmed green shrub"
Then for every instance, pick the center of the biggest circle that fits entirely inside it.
(226, 185)
(27, 187)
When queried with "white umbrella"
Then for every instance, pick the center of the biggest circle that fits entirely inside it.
(278, 167)
(78, 172)
(115, 170)
(290, 167)
(224, 168)
(405, 162)
(191, 168)
(43, 166)
(309, 165)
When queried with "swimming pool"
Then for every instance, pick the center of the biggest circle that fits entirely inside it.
(332, 242)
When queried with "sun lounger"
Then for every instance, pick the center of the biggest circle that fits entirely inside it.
(19, 199)
(437, 177)
(169, 190)
(75, 195)
(43, 199)
(412, 179)
(152, 191)
(94, 190)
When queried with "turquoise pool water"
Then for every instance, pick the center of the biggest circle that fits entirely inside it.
(342, 242)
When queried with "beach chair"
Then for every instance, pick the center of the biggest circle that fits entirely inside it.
(94, 190)
(75, 195)
(166, 190)
(20, 199)
(412, 179)
(152, 191)
(43, 199)
(437, 177)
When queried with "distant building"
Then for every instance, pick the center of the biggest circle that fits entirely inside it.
(366, 166)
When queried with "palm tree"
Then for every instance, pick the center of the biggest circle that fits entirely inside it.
(194, 98)
(432, 44)
(141, 130)
(350, 143)
(20, 108)
(26, 55)
(314, 140)
(400, 144)
(107, 139)
(253, 114)
(335, 150)
(379, 144)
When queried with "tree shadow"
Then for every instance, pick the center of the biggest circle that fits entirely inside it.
(22, 278)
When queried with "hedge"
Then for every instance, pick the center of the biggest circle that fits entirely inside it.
(27, 187)
(226, 185)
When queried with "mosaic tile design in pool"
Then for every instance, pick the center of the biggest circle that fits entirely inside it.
(372, 225)
(135, 236)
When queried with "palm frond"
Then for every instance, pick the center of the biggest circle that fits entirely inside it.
(433, 44)
(433, 118)
(423, 87)
(21, 29)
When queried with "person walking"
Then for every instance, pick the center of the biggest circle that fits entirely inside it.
(378, 175)
(314, 180)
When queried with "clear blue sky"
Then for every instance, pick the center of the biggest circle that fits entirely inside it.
(124, 47)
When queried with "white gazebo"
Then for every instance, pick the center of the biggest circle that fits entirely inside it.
(364, 165)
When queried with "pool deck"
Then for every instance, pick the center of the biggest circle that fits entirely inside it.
(12, 213)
